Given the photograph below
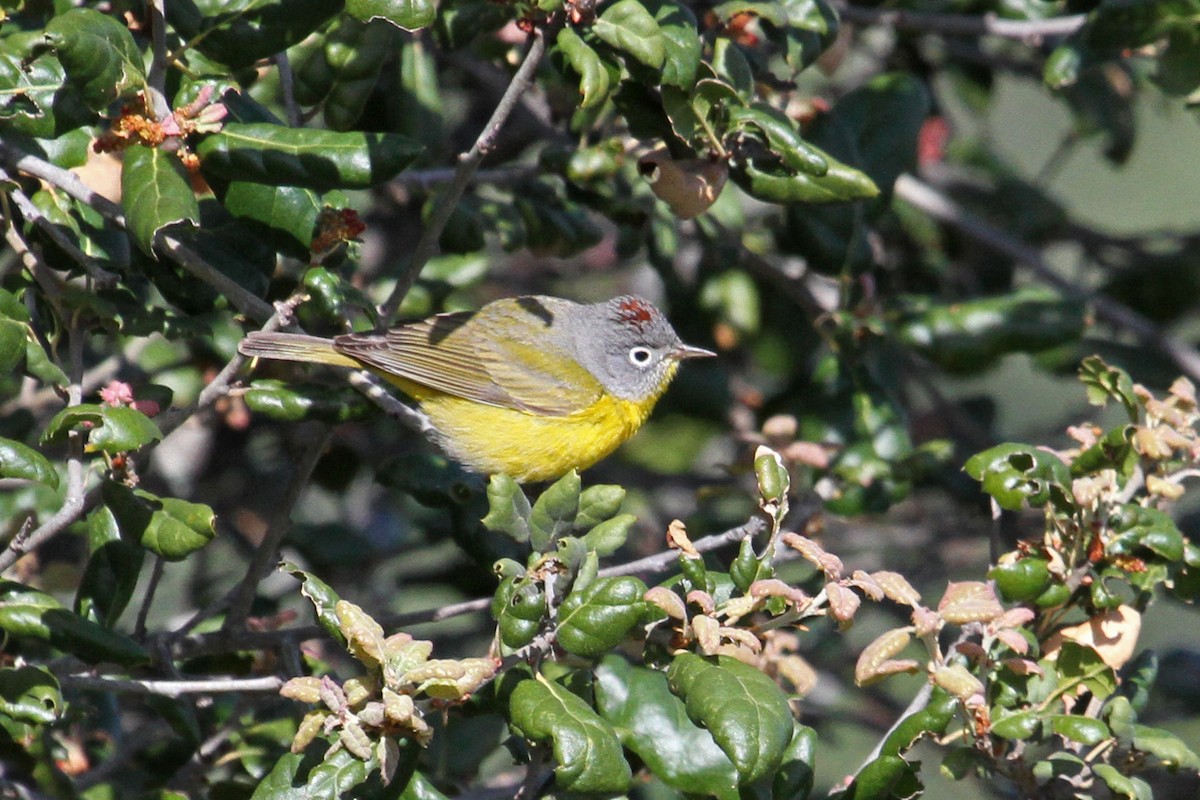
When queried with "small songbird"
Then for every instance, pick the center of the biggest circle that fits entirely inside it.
(528, 386)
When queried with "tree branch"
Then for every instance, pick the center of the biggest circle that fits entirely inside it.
(1032, 31)
(468, 163)
(171, 688)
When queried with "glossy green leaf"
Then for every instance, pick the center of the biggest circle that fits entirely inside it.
(240, 32)
(627, 26)
(1082, 664)
(21, 461)
(794, 780)
(1137, 679)
(518, 608)
(111, 429)
(1113, 450)
(587, 751)
(885, 778)
(320, 160)
(1123, 785)
(40, 100)
(593, 76)
(782, 136)
(839, 184)
(292, 402)
(597, 504)
(155, 194)
(508, 508)
(409, 15)
(285, 215)
(969, 336)
(323, 598)
(1016, 474)
(167, 526)
(609, 536)
(13, 336)
(28, 613)
(1147, 528)
(1020, 725)
(681, 41)
(598, 617)
(1078, 728)
(553, 513)
(30, 694)
(356, 58)
(653, 723)
(303, 776)
(746, 712)
(932, 720)
(98, 53)
(112, 571)
(1166, 747)
(1021, 580)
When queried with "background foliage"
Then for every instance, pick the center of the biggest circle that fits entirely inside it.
(906, 228)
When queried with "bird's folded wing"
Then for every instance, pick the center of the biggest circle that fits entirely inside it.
(436, 354)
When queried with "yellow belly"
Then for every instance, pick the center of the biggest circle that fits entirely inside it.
(527, 447)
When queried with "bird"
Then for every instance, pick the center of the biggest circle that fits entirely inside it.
(532, 387)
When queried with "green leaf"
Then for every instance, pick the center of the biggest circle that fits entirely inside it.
(598, 504)
(681, 42)
(782, 136)
(12, 344)
(653, 724)
(1078, 728)
(1123, 785)
(1081, 664)
(112, 570)
(1021, 580)
(320, 160)
(593, 76)
(239, 32)
(30, 694)
(627, 26)
(969, 336)
(1165, 746)
(586, 747)
(508, 508)
(932, 720)
(746, 712)
(518, 608)
(114, 429)
(286, 215)
(304, 776)
(794, 780)
(167, 526)
(885, 778)
(839, 184)
(609, 536)
(1021, 725)
(155, 194)
(1104, 383)
(323, 598)
(598, 617)
(1146, 528)
(1015, 474)
(29, 613)
(409, 15)
(98, 53)
(553, 514)
(21, 461)
(1137, 679)
(293, 402)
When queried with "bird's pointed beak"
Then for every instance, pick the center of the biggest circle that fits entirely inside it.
(683, 351)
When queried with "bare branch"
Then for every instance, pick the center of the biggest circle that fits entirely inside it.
(1032, 31)
(172, 688)
(468, 163)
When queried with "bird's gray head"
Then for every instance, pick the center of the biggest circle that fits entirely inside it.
(630, 347)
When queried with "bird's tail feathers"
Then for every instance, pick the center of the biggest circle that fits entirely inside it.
(293, 347)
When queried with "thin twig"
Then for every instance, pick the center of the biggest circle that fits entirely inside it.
(468, 163)
(156, 77)
(156, 573)
(172, 688)
(942, 207)
(265, 555)
(1032, 31)
(287, 88)
(103, 278)
(244, 301)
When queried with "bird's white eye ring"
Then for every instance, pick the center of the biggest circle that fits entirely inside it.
(640, 356)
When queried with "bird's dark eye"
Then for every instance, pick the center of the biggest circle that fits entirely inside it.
(640, 356)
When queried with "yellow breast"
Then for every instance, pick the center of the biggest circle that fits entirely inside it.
(525, 446)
